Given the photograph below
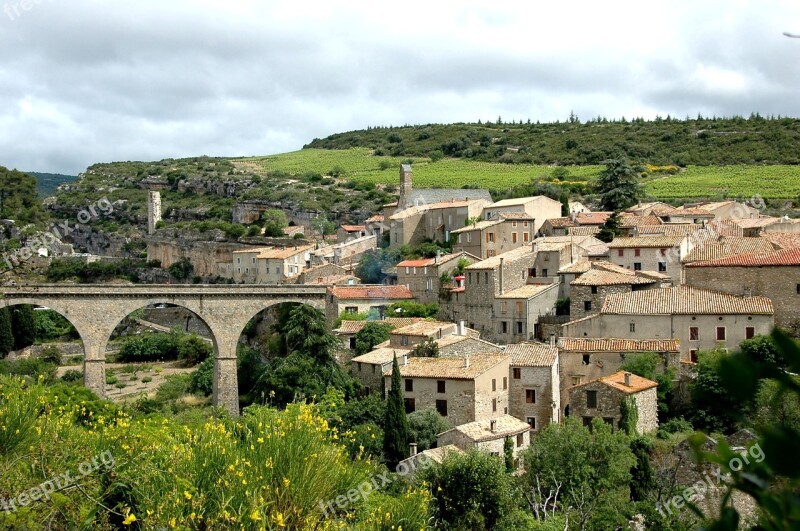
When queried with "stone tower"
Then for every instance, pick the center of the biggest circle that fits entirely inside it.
(153, 210)
(405, 184)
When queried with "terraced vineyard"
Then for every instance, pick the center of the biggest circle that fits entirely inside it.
(358, 164)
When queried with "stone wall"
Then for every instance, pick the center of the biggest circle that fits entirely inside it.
(579, 295)
(608, 405)
(484, 396)
(647, 404)
(781, 284)
(539, 379)
(369, 374)
(177, 317)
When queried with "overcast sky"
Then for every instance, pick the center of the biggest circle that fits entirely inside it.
(85, 81)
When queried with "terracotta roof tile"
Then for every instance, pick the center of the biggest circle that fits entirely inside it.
(560, 223)
(371, 292)
(382, 355)
(645, 242)
(607, 344)
(353, 327)
(617, 381)
(275, 252)
(353, 228)
(510, 256)
(684, 300)
(756, 222)
(600, 277)
(782, 240)
(785, 257)
(632, 220)
(422, 328)
(377, 218)
(726, 247)
(667, 229)
(452, 368)
(480, 430)
(592, 218)
(525, 292)
(588, 230)
(532, 354)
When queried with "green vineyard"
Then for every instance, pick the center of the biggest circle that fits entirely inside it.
(358, 164)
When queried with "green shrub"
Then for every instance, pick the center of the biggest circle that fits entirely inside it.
(72, 375)
(111, 380)
(202, 380)
(147, 379)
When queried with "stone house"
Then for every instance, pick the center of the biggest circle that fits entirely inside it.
(412, 335)
(363, 298)
(538, 209)
(645, 209)
(695, 216)
(534, 394)
(559, 226)
(420, 460)
(269, 265)
(370, 368)
(590, 289)
(347, 330)
(602, 398)
(489, 435)
(346, 253)
(462, 389)
(584, 359)
(347, 232)
(423, 276)
(775, 275)
(517, 312)
(727, 210)
(410, 196)
(432, 221)
(492, 237)
(651, 253)
(375, 225)
(700, 319)
(714, 247)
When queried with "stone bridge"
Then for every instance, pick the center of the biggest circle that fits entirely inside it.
(95, 310)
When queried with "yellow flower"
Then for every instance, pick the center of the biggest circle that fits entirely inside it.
(279, 520)
(187, 495)
(286, 482)
(131, 518)
(255, 516)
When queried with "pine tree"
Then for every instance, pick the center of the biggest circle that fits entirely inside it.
(618, 185)
(610, 229)
(395, 425)
(6, 336)
(23, 326)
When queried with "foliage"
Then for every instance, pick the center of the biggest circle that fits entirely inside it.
(51, 354)
(426, 349)
(642, 480)
(51, 325)
(713, 408)
(675, 425)
(610, 229)
(423, 427)
(23, 324)
(6, 336)
(562, 306)
(274, 222)
(72, 375)
(396, 431)
(650, 365)
(374, 332)
(618, 185)
(102, 271)
(153, 346)
(412, 309)
(508, 454)
(182, 269)
(590, 470)
(471, 491)
(19, 199)
(192, 349)
(33, 368)
(202, 381)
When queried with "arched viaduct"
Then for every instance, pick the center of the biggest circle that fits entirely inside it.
(95, 310)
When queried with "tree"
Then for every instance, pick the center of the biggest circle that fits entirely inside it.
(424, 425)
(274, 222)
(618, 185)
(714, 409)
(182, 269)
(508, 454)
(642, 480)
(202, 380)
(568, 465)
(412, 309)
(650, 365)
(610, 229)
(426, 349)
(628, 415)
(6, 336)
(307, 332)
(374, 332)
(23, 323)
(19, 198)
(470, 491)
(564, 204)
(192, 349)
(395, 424)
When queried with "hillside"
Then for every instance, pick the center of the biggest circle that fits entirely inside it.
(700, 141)
(47, 183)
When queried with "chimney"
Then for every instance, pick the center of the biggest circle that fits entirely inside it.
(466, 361)
(572, 216)
(493, 426)
(500, 275)
(461, 328)
(748, 292)
(437, 257)
(412, 449)
(535, 247)
(405, 183)
(405, 359)
(552, 340)
(627, 379)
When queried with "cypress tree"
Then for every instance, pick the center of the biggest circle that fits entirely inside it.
(6, 337)
(23, 323)
(395, 425)
(508, 451)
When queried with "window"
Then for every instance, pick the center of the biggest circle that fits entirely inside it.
(411, 405)
(490, 237)
(591, 399)
(441, 407)
(632, 327)
(662, 267)
(409, 385)
(503, 306)
(749, 332)
(609, 421)
(469, 237)
(587, 359)
(404, 340)
(531, 271)
(576, 380)
(504, 326)
(694, 333)
(720, 333)
(519, 307)
(459, 238)
(440, 386)
(637, 252)
(514, 224)
(531, 422)
(663, 252)
(587, 421)
(486, 273)
(477, 278)
(525, 235)
(353, 343)
(494, 405)
(519, 327)
(637, 266)
(693, 355)
(359, 366)
(587, 305)
(522, 275)
(351, 309)
(798, 288)
(374, 367)
(620, 252)
(594, 290)
(513, 237)
(505, 383)
(530, 396)
(516, 373)
(494, 384)
(544, 272)
(520, 439)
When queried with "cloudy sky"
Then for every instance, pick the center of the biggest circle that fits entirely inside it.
(84, 81)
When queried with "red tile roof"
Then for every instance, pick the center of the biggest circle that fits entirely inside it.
(607, 344)
(371, 292)
(617, 381)
(354, 228)
(782, 240)
(684, 300)
(532, 354)
(591, 218)
(785, 257)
